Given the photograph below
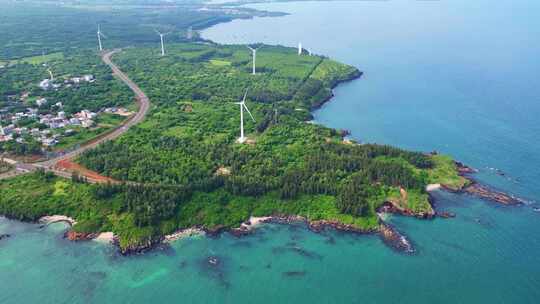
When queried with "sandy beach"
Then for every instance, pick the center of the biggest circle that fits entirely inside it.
(49, 219)
(105, 237)
(433, 187)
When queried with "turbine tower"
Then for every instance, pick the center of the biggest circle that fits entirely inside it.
(254, 54)
(299, 48)
(243, 106)
(99, 35)
(161, 38)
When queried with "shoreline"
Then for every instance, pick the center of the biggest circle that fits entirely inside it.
(51, 219)
(482, 191)
(388, 233)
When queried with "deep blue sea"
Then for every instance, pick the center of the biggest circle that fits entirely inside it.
(459, 77)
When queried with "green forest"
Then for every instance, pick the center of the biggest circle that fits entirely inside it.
(185, 168)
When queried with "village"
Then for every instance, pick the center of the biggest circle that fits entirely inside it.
(48, 123)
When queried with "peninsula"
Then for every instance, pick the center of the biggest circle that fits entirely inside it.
(181, 167)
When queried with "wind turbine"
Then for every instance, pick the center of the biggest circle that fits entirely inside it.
(243, 106)
(254, 54)
(99, 35)
(299, 48)
(161, 38)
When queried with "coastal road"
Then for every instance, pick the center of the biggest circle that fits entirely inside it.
(144, 106)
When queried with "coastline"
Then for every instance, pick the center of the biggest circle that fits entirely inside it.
(387, 232)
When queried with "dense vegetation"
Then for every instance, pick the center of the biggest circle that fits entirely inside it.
(182, 166)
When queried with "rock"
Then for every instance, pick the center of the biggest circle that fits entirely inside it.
(395, 208)
(394, 239)
(318, 226)
(464, 169)
(294, 273)
(140, 247)
(239, 232)
(446, 214)
(79, 236)
(4, 236)
(213, 261)
(215, 231)
(492, 195)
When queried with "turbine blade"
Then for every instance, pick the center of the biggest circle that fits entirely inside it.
(245, 95)
(245, 107)
(102, 35)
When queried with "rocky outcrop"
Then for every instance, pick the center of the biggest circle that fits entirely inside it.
(445, 214)
(79, 236)
(464, 169)
(140, 247)
(482, 191)
(487, 193)
(395, 239)
(4, 236)
(394, 208)
(318, 226)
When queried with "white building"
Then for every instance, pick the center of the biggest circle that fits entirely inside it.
(41, 101)
(74, 121)
(45, 84)
(49, 142)
(87, 123)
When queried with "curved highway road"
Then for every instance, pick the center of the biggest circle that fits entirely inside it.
(144, 106)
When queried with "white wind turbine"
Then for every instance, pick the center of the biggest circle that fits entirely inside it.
(243, 106)
(254, 54)
(299, 48)
(99, 35)
(161, 35)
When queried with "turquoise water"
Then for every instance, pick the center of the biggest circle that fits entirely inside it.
(455, 76)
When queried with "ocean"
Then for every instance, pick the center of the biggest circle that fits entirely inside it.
(456, 76)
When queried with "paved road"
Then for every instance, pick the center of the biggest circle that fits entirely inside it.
(144, 106)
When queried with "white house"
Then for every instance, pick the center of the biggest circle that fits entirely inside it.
(87, 123)
(45, 84)
(41, 101)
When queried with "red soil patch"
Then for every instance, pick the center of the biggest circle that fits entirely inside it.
(68, 165)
